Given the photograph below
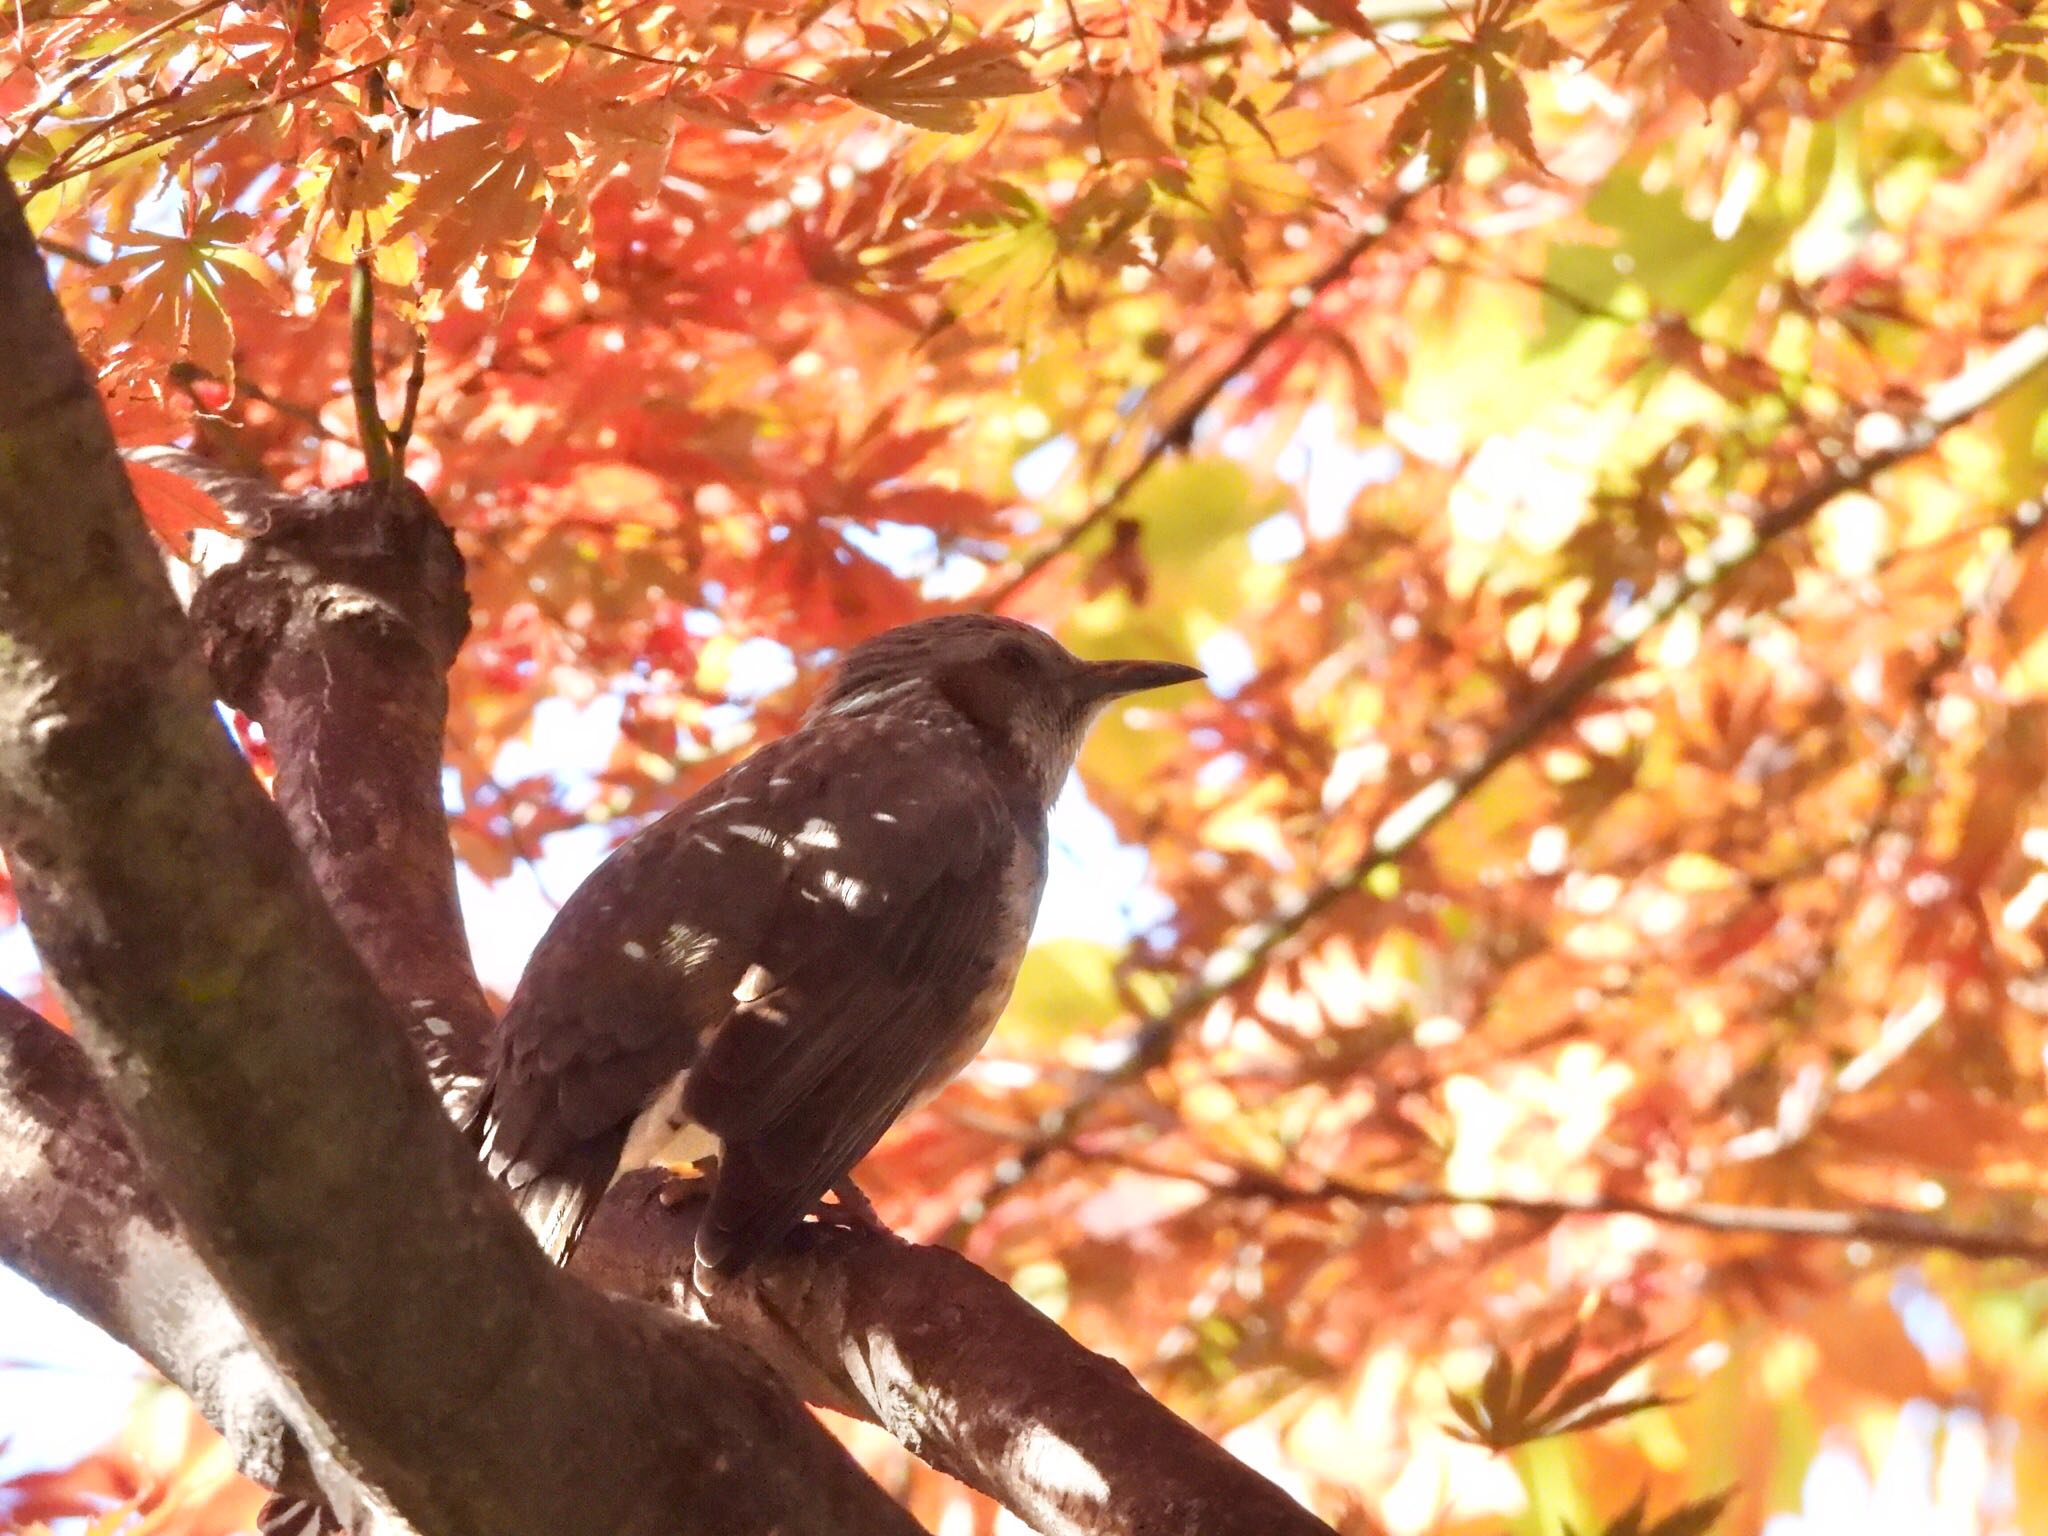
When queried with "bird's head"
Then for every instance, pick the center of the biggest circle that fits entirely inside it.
(1024, 691)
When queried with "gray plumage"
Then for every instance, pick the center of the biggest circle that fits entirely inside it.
(815, 941)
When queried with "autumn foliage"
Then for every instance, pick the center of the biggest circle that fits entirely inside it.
(1593, 949)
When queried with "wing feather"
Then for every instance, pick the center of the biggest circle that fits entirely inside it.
(869, 997)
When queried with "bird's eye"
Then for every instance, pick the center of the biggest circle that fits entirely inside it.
(1014, 656)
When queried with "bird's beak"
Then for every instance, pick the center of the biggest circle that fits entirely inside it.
(1114, 679)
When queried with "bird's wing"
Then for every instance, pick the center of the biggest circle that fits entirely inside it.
(639, 964)
(880, 951)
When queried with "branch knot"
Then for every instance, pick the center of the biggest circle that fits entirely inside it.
(371, 554)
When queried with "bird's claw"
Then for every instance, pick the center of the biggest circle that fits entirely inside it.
(849, 1208)
(681, 1189)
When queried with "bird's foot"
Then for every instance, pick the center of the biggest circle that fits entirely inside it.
(681, 1188)
(850, 1208)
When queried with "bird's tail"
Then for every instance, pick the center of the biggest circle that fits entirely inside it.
(556, 1202)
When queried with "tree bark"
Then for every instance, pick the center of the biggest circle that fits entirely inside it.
(965, 1373)
(335, 630)
(78, 1217)
(441, 1361)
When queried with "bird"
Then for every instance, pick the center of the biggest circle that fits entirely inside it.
(754, 987)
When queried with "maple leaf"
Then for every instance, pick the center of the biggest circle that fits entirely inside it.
(176, 289)
(1510, 1408)
(1435, 122)
(478, 203)
(922, 82)
(1691, 1519)
(1342, 15)
(1712, 52)
(173, 506)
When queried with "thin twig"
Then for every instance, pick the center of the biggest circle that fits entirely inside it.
(69, 252)
(58, 173)
(62, 91)
(1179, 428)
(401, 435)
(578, 40)
(1401, 829)
(186, 374)
(1223, 43)
(1840, 40)
(674, 62)
(1878, 1225)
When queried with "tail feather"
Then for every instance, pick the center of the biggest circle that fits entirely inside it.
(555, 1201)
(555, 1206)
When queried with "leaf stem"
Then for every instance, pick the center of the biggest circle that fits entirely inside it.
(379, 461)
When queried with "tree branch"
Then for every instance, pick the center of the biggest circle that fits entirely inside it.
(964, 1372)
(335, 630)
(78, 1217)
(1403, 828)
(441, 1361)
(1228, 42)
(1178, 430)
(1880, 1226)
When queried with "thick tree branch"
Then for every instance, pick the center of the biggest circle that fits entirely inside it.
(963, 1371)
(334, 630)
(77, 1216)
(263, 1078)
(958, 1367)
(1152, 1040)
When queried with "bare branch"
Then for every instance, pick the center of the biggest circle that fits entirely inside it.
(958, 1367)
(335, 630)
(77, 1216)
(441, 1361)
(62, 168)
(1404, 827)
(1177, 431)
(1879, 1226)
(963, 1371)
(1228, 42)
